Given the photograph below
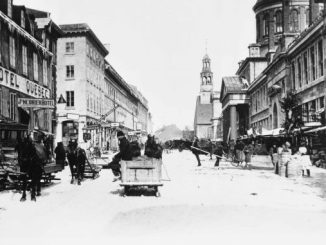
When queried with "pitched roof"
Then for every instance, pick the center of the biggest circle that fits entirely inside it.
(204, 113)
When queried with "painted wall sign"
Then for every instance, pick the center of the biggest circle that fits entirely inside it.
(21, 84)
(73, 116)
(35, 103)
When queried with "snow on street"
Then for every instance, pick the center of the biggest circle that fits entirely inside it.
(225, 202)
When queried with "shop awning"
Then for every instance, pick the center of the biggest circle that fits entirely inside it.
(6, 124)
(316, 130)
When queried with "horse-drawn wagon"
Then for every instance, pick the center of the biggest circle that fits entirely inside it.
(141, 172)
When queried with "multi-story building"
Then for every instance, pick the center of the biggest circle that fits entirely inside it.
(98, 101)
(288, 56)
(26, 62)
(81, 82)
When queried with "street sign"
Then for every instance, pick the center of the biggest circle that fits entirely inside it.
(115, 124)
(36, 103)
(73, 116)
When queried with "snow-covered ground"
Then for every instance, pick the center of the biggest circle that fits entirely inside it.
(220, 205)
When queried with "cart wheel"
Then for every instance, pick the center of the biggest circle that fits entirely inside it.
(157, 194)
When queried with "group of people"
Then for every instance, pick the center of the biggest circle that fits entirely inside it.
(128, 150)
(241, 151)
(278, 149)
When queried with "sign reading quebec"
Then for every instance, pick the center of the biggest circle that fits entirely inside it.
(23, 85)
(35, 103)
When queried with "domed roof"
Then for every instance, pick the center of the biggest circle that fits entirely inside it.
(206, 57)
(265, 2)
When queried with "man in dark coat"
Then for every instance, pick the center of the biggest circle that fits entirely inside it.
(218, 151)
(195, 151)
(124, 154)
(81, 161)
(60, 154)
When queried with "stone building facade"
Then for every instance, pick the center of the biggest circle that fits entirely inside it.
(98, 101)
(290, 51)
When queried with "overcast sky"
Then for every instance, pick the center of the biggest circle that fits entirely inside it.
(158, 45)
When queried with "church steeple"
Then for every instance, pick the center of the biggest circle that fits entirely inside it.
(206, 76)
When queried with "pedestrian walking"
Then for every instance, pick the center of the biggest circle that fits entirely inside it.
(72, 159)
(218, 151)
(60, 154)
(81, 162)
(248, 151)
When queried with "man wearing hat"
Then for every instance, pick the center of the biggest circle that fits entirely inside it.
(124, 154)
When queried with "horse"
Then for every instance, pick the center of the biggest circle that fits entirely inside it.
(32, 160)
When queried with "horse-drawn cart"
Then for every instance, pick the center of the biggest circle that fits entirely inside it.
(141, 172)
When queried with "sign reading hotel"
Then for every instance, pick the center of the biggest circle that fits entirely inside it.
(35, 103)
(23, 85)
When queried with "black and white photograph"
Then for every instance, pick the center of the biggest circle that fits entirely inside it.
(162, 122)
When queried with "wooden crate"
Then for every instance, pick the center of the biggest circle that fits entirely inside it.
(141, 171)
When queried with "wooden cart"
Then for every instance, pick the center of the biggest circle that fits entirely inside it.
(142, 171)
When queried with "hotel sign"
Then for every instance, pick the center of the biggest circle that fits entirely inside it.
(21, 84)
(35, 103)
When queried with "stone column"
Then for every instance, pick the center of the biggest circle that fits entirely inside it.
(233, 122)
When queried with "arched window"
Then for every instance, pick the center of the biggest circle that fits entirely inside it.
(294, 21)
(266, 24)
(278, 22)
(204, 80)
(208, 80)
(307, 17)
(258, 27)
(275, 117)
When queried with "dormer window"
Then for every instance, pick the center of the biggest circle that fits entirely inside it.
(22, 19)
(9, 8)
